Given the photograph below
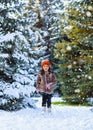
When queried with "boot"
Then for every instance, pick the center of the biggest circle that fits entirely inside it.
(49, 110)
(43, 109)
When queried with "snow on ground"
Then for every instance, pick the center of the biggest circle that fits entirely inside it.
(61, 118)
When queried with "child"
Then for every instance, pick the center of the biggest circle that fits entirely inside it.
(46, 82)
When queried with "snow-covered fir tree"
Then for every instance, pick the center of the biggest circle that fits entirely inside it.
(45, 27)
(16, 66)
(28, 31)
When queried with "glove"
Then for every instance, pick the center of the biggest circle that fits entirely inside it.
(37, 90)
(48, 86)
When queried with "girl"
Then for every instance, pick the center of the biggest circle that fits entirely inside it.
(46, 82)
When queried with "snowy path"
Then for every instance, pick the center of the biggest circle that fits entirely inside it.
(62, 118)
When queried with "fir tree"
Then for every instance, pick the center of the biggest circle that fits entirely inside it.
(28, 33)
(45, 26)
(15, 76)
(76, 55)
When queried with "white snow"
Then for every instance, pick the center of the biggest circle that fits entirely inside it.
(61, 118)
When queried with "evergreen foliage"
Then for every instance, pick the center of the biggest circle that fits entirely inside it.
(76, 55)
(28, 32)
(15, 63)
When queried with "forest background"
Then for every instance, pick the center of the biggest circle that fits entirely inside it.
(31, 31)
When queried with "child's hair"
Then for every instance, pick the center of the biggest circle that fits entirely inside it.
(45, 62)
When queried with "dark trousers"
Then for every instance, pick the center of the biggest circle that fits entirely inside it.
(46, 100)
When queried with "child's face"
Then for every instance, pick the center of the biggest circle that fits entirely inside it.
(45, 68)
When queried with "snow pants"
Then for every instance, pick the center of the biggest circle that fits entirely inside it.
(46, 100)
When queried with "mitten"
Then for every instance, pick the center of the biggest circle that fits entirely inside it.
(37, 90)
(48, 86)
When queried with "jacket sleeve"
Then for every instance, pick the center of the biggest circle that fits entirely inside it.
(54, 80)
(38, 81)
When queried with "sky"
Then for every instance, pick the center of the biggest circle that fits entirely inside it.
(61, 118)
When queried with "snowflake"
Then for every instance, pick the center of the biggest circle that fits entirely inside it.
(90, 8)
(78, 76)
(74, 62)
(88, 14)
(80, 69)
(89, 77)
(68, 48)
(86, 76)
(69, 66)
(77, 90)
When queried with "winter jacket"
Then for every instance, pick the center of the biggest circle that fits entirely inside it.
(47, 78)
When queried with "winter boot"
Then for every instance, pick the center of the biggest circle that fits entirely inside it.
(43, 110)
(49, 110)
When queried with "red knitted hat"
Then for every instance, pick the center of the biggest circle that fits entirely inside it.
(45, 62)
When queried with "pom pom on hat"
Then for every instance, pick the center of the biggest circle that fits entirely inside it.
(45, 62)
